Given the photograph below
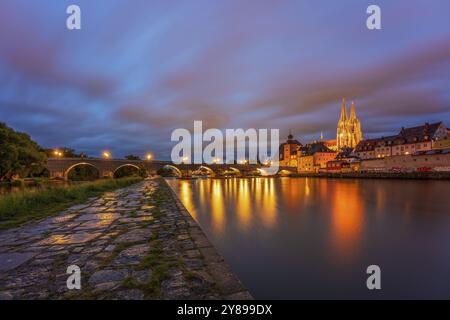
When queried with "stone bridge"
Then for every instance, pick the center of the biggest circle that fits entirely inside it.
(61, 167)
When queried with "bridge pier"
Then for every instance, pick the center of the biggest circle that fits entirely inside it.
(57, 174)
(106, 174)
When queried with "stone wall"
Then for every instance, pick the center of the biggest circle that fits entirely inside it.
(438, 162)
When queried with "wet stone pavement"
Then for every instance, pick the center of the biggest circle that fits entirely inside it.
(134, 243)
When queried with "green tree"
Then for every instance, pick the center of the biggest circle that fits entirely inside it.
(65, 152)
(84, 173)
(19, 155)
(129, 171)
(166, 172)
(132, 157)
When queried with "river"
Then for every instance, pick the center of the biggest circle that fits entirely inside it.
(302, 238)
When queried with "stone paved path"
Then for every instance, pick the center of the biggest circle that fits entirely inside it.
(134, 243)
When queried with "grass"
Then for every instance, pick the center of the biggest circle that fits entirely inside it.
(20, 207)
(160, 264)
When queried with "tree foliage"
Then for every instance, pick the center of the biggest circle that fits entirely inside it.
(65, 152)
(166, 172)
(132, 157)
(130, 171)
(84, 173)
(19, 155)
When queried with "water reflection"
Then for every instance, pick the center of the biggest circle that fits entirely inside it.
(243, 210)
(297, 238)
(217, 207)
(268, 211)
(186, 198)
(251, 199)
(347, 219)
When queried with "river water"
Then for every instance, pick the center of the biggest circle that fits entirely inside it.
(301, 238)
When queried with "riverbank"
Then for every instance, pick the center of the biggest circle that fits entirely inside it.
(20, 207)
(378, 175)
(133, 243)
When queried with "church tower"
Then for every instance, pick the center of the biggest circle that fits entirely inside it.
(354, 127)
(342, 130)
(348, 129)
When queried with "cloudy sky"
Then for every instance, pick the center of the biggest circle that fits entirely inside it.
(139, 69)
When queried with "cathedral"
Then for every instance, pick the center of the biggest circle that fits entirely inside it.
(349, 132)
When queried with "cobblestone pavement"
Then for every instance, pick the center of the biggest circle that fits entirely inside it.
(134, 243)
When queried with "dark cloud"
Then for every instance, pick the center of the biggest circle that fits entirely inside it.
(138, 70)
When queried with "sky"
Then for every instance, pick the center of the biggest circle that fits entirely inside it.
(139, 69)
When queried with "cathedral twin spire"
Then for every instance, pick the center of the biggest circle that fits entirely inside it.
(344, 111)
(349, 128)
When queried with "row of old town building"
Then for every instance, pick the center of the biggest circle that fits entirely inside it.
(421, 148)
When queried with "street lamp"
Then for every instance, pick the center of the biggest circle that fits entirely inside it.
(149, 156)
(106, 155)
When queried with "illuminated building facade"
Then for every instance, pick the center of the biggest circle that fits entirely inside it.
(289, 151)
(349, 132)
(407, 141)
(314, 157)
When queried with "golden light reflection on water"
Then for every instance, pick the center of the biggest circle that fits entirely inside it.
(269, 210)
(347, 219)
(243, 209)
(186, 197)
(217, 207)
(248, 199)
(254, 201)
(307, 188)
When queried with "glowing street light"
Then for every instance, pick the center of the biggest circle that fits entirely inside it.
(106, 155)
(149, 156)
(58, 153)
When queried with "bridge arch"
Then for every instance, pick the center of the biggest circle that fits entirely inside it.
(178, 171)
(211, 171)
(235, 170)
(126, 165)
(67, 171)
